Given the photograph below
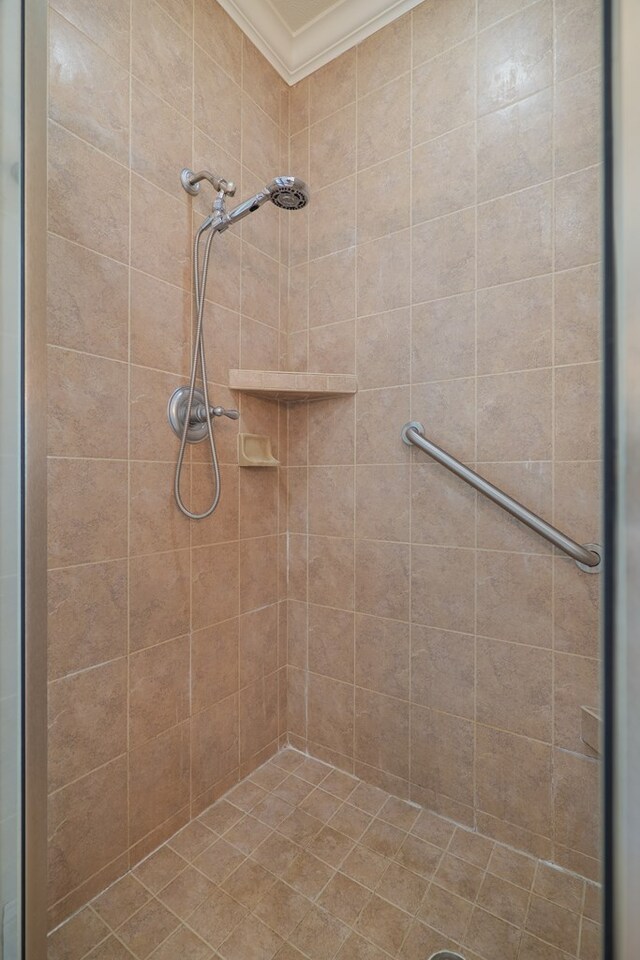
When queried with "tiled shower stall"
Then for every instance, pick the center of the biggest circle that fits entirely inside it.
(357, 602)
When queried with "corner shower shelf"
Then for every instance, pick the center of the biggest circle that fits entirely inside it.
(290, 386)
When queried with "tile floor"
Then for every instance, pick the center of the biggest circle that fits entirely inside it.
(303, 862)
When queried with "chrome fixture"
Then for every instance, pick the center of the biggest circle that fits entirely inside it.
(191, 182)
(177, 411)
(287, 193)
(189, 412)
(588, 556)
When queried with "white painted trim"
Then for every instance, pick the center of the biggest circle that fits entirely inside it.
(339, 28)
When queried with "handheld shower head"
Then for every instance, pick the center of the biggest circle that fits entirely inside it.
(287, 193)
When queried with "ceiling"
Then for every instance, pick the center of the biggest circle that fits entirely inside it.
(299, 36)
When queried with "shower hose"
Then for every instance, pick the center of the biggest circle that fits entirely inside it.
(200, 286)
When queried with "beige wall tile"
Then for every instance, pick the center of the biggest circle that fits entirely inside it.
(88, 91)
(578, 203)
(217, 102)
(332, 86)
(514, 236)
(514, 597)
(382, 502)
(210, 20)
(332, 295)
(443, 338)
(87, 405)
(96, 219)
(260, 81)
(514, 779)
(448, 408)
(443, 174)
(577, 499)
(575, 684)
(576, 808)
(332, 347)
(577, 426)
(442, 753)
(79, 283)
(382, 655)
(331, 501)
(383, 274)
(222, 525)
(514, 416)
(444, 92)
(384, 198)
(443, 256)
(578, 37)
(299, 106)
(331, 642)
(160, 324)
(158, 689)
(576, 610)
(258, 716)
(331, 571)
(491, 10)
(515, 146)
(161, 54)
(384, 124)
(382, 579)
(158, 781)
(332, 147)
(515, 326)
(515, 57)
(160, 139)
(442, 670)
(87, 511)
(158, 598)
(442, 587)
(577, 315)
(578, 137)
(258, 573)
(260, 141)
(383, 348)
(160, 227)
(87, 620)
(378, 415)
(514, 688)
(107, 25)
(384, 55)
(87, 827)
(436, 27)
(258, 643)
(87, 721)
(330, 713)
(328, 232)
(149, 438)
(443, 508)
(382, 732)
(331, 431)
(214, 664)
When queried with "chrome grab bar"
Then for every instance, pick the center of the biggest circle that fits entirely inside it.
(589, 557)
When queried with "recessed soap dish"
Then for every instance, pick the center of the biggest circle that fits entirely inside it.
(255, 451)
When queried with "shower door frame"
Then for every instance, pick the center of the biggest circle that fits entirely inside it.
(622, 481)
(34, 477)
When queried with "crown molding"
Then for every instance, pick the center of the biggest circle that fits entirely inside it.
(296, 55)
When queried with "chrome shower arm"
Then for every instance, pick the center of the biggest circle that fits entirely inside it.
(191, 182)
